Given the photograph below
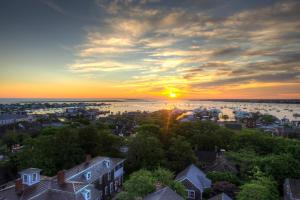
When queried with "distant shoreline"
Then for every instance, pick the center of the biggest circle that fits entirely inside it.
(102, 100)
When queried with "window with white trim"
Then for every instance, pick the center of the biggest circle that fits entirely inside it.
(88, 175)
(191, 194)
(109, 176)
(111, 188)
(25, 178)
(86, 194)
(106, 191)
(34, 177)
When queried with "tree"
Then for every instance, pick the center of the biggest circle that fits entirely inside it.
(143, 182)
(260, 187)
(223, 176)
(145, 152)
(140, 183)
(223, 186)
(180, 154)
(88, 139)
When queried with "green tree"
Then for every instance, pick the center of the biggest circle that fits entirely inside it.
(145, 152)
(180, 154)
(140, 183)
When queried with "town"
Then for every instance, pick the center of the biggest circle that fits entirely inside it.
(166, 154)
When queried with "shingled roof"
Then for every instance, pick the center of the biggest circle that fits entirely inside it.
(48, 188)
(165, 193)
(195, 176)
(221, 196)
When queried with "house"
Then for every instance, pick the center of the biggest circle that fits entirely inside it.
(221, 196)
(95, 179)
(6, 119)
(195, 182)
(216, 161)
(165, 193)
(291, 188)
(233, 126)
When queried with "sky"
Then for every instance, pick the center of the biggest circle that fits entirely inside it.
(188, 49)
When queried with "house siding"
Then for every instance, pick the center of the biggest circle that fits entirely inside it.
(189, 186)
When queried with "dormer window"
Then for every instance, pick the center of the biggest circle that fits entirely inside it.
(106, 163)
(88, 175)
(86, 194)
(30, 176)
(25, 179)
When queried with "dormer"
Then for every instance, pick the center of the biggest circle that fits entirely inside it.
(106, 163)
(30, 176)
(88, 175)
(86, 194)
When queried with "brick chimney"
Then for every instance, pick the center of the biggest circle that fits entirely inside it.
(88, 158)
(158, 186)
(61, 177)
(19, 185)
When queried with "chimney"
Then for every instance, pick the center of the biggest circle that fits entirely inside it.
(19, 185)
(158, 186)
(61, 177)
(88, 158)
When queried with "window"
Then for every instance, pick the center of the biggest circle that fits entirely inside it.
(88, 175)
(191, 194)
(116, 185)
(109, 176)
(100, 180)
(101, 195)
(86, 194)
(106, 190)
(34, 176)
(111, 188)
(25, 178)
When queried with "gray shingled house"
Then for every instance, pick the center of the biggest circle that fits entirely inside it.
(195, 182)
(96, 179)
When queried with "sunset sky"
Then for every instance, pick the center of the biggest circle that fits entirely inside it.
(150, 48)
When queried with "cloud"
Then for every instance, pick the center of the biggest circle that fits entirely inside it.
(198, 44)
(105, 66)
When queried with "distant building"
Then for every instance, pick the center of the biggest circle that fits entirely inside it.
(233, 126)
(6, 119)
(165, 193)
(291, 189)
(195, 182)
(96, 179)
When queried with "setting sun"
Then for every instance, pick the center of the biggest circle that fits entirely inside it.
(172, 95)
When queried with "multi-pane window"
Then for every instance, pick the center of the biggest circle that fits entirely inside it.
(106, 191)
(111, 188)
(191, 194)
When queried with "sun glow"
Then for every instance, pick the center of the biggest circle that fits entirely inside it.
(172, 95)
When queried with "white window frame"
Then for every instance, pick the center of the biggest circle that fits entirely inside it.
(109, 176)
(106, 190)
(111, 188)
(191, 194)
(34, 175)
(100, 180)
(25, 180)
(88, 175)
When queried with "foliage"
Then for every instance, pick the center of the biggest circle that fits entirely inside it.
(145, 152)
(223, 176)
(180, 154)
(143, 182)
(223, 186)
(261, 188)
(140, 183)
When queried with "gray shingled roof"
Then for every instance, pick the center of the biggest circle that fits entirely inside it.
(49, 189)
(195, 176)
(165, 193)
(221, 196)
(295, 187)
